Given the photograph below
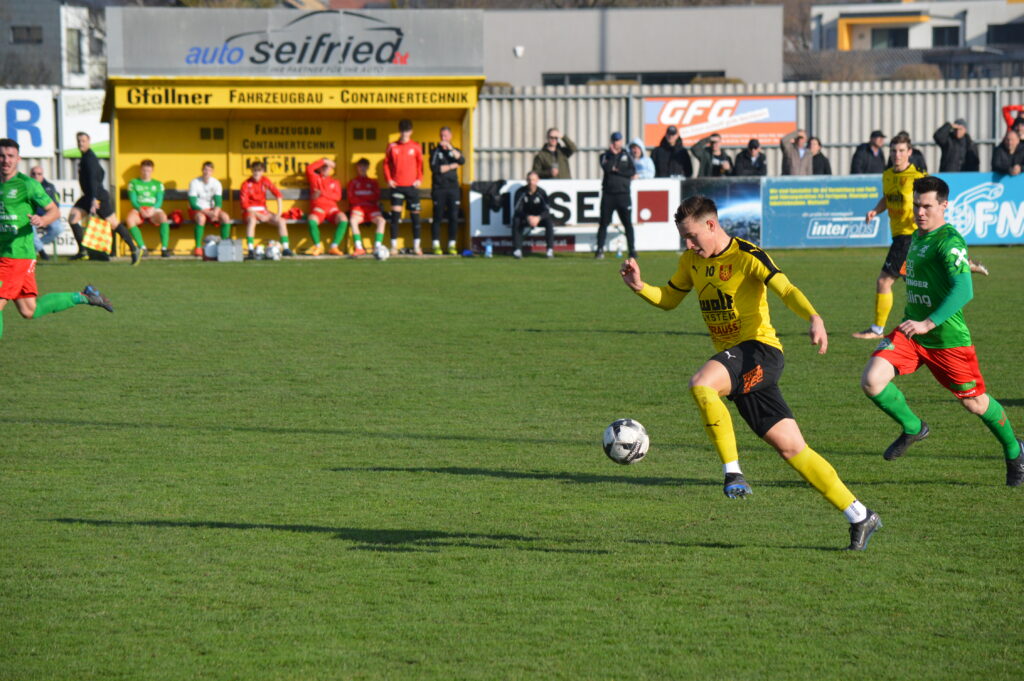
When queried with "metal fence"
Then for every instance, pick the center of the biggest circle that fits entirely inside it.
(510, 123)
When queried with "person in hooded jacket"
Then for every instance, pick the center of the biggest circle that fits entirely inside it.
(750, 162)
(670, 158)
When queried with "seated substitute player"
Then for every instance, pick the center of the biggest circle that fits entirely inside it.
(364, 206)
(324, 195)
(530, 209)
(934, 333)
(731, 277)
(253, 194)
(22, 195)
(147, 198)
(403, 171)
(206, 199)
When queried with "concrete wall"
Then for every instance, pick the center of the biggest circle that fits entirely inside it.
(30, 64)
(744, 42)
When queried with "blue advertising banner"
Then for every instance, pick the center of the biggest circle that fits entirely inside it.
(738, 200)
(986, 208)
(822, 212)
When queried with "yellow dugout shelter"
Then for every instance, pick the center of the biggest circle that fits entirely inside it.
(285, 88)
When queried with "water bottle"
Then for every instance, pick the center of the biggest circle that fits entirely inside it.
(618, 251)
(488, 248)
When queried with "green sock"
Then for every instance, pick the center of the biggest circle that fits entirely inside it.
(314, 231)
(339, 233)
(165, 234)
(137, 235)
(250, 242)
(199, 236)
(225, 231)
(378, 238)
(893, 403)
(284, 241)
(56, 302)
(1, 323)
(996, 421)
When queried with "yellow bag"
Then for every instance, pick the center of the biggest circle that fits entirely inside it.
(97, 235)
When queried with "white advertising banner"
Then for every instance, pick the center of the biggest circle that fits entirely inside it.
(28, 120)
(576, 210)
(81, 111)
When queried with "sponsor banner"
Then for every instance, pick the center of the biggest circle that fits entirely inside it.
(738, 201)
(986, 208)
(820, 212)
(257, 42)
(28, 119)
(81, 111)
(199, 97)
(69, 192)
(576, 209)
(736, 119)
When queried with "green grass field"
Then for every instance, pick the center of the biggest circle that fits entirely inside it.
(360, 470)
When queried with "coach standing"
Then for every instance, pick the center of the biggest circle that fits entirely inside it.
(619, 171)
(445, 191)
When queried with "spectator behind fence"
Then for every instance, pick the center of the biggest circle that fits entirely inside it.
(750, 162)
(1008, 157)
(670, 157)
(531, 208)
(916, 157)
(959, 153)
(552, 161)
(869, 157)
(55, 228)
(796, 158)
(619, 171)
(713, 161)
(820, 164)
(644, 165)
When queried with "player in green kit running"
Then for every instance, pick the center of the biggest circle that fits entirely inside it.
(147, 198)
(934, 333)
(20, 196)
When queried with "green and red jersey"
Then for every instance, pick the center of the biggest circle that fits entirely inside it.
(935, 259)
(19, 198)
(146, 193)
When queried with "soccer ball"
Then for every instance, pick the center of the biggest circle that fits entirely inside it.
(381, 252)
(626, 441)
(261, 252)
(273, 251)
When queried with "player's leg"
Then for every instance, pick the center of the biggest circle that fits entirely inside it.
(896, 355)
(252, 218)
(341, 229)
(225, 223)
(199, 219)
(602, 225)
(549, 233)
(378, 237)
(435, 223)
(358, 244)
(313, 222)
(282, 232)
(414, 217)
(75, 217)
(397, 202)
(519, 225)
(452, 210)
(625, 209)
(707, 386)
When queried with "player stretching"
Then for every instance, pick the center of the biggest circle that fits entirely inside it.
(933, 333)
(403, 170)
(147, 198)
(731, 277)
(206, 200)
(20, 195)
(253, 195)
(363, 200)
(324, 194)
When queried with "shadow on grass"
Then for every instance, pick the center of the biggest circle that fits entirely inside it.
(364, 539)
(725, 545)
(626, 332)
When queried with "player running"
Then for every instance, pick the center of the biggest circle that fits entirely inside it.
(364, 206)
(403, 170)
(206, 200)
(20, 196)
(731, 277)
(324, 195)
(253, 195)
(147, 198)
(934, 333)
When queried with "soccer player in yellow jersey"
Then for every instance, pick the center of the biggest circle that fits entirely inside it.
(731, 278)
(898, 199)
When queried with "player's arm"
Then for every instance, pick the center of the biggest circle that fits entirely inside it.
(796, 301)
(193, 195)
(419, 168)
(460, 159)
(666, 297)
(880, 207)
(436, 167)
(277, 196)
(159, 197)
(40, 199)
(133, 196)
(961, 292)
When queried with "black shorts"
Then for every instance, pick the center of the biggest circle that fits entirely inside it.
(897, 256)
(106, 207)
(407, 195)
(754, 372)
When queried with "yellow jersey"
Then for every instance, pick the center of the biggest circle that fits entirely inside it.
(898, 189)
(732, 292)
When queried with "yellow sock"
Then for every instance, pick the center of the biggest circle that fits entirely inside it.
(883, 306)
(820, 475)
(717, 422)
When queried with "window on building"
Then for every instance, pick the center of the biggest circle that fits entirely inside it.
(884, 38)
(26, 35)
(946, 36)
(73, 38)
(1005, 34)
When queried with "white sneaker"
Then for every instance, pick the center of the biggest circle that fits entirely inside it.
(517, 254)
(550, 253)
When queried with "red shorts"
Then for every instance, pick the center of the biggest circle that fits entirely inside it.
(17, 278)
(212, 214)
(360, 214)
(955, 368)
(148, 214)
(325, 213)
(260, 213)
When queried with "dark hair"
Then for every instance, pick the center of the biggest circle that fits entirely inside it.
(923, 185)
(443, 128)
(532, 172)
(207, 163)
(363, 162)
(258, 165)
(9, 143)
(404, 125)
(146, 162)
(814, 139)
(695, 208)
(900, 138)
(81, 134)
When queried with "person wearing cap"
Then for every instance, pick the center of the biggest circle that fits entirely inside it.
(959, 153)
(820, 164)
(869, 157)
(750, 161)
(796, 158)
(670, 158)
(644, 165)
(619, 171)
(552, 161)
(713, 161)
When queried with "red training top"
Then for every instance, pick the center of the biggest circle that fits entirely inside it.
(254, 194)
(363, 192)
(403, 163)
(329, 187)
